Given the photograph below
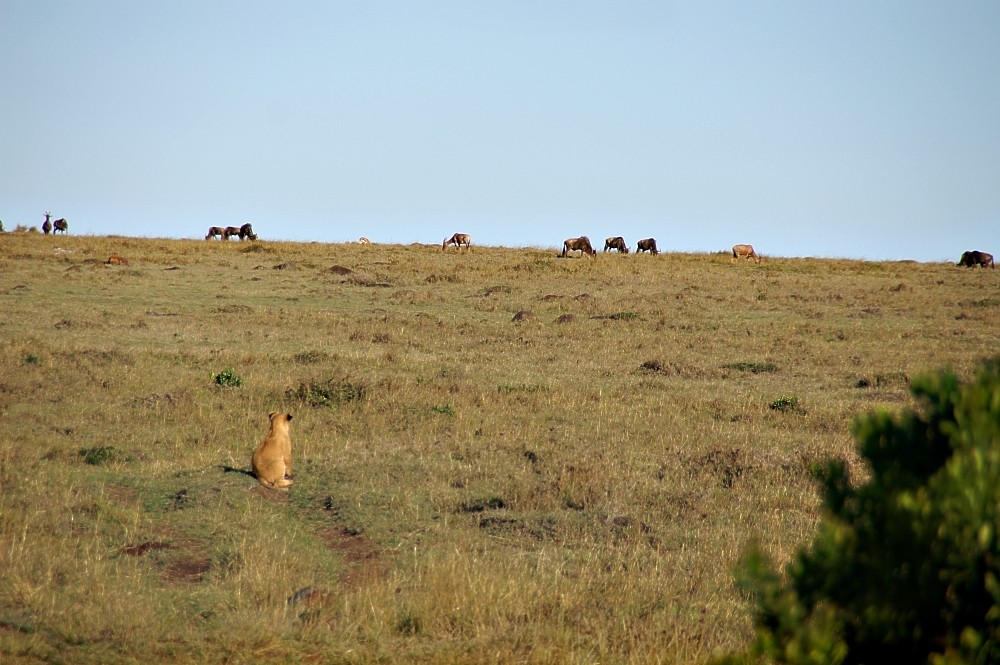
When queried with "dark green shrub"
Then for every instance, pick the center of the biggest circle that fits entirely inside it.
(752, 367)
(906, 566)
(329, 393)
(99, 455)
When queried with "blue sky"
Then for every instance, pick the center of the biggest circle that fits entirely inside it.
(861, 129)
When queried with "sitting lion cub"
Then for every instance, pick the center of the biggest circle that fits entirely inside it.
(272, 461)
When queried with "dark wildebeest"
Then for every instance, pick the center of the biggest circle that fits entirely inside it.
(976, 258)
(616, 243)
(214, 232)
(744, 252)
(59, 225)
(230, 231)
(47, 225)
(582, 244)
(458, 240)
(647, 245)
(246, 231)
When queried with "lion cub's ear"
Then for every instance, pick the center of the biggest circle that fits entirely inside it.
(289, 416)
(271, 415)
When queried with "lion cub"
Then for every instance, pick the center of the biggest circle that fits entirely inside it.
(272, 461)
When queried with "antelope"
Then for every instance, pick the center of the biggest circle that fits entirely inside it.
(47, 225)
(744, 251)
(230, 231)
(458, 240)
(215, 232)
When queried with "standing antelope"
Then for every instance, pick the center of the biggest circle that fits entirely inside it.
(745, 252)
(458, 240)
(58, 225)
(47, 225)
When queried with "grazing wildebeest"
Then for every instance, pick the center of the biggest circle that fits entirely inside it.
(59, 225)
(975, 258)
(230, 231)
(744, 251)
(582, 244)
(458, 240)
(215, 232)
(647, 245)
(47, 225)
(364, 241)
(616, 243)
(246, 231)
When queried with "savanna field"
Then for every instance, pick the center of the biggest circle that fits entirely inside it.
(499, 455)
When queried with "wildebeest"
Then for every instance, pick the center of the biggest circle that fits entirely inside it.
(230, 231)
(246, 232)
(47, 225)
(976, 258)
(616, 243)
(60, 225)
(744, 251)
(647, 245)
(582, 244)
(214, 232)
(364, 241)
(458, 240)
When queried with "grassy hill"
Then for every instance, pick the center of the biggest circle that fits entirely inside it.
(500, 455)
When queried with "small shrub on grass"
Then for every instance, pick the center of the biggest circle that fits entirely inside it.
(445, 409)
(227, 378)
(786, 404)
(482, 505)
(752, 367)
(258, 248)
(31, 359)
(623, 316)
(329, 393)
(99, 455)
(506, 389)
(408, 623)
(310, 357)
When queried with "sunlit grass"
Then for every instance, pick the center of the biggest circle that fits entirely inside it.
(574, 486)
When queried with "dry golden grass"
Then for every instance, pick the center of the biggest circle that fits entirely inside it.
(575, 486)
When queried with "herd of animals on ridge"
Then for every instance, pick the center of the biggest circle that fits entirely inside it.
(969, 259)
(271, 462)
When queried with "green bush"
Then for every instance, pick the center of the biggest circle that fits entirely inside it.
(789, 403)
(227, 378)
(905, 567)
